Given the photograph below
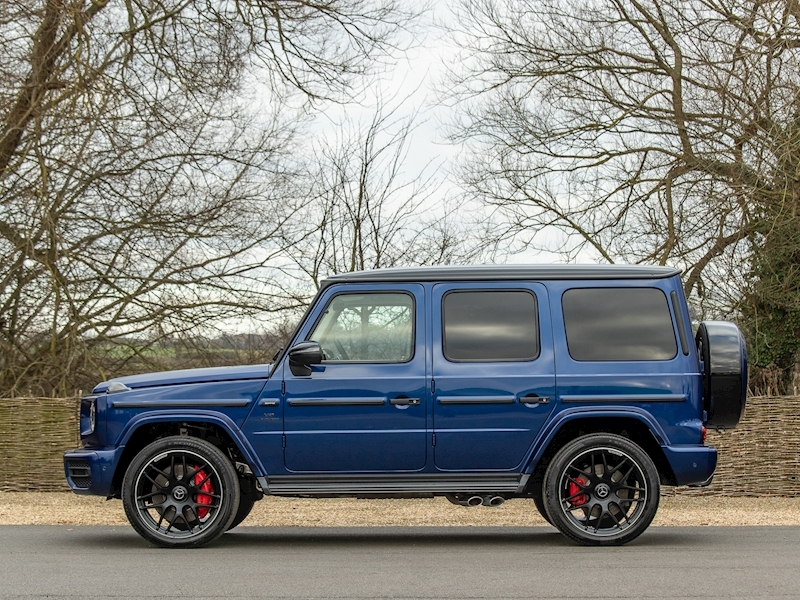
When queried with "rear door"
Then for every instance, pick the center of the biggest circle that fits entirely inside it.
(493, 372)
(364, 408)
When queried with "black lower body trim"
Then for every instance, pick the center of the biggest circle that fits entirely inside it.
(324, 483)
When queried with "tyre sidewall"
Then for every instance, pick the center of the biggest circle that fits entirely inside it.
(565, 456)
(245, 506)
(230, 493)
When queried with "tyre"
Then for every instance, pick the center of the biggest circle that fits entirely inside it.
(245, 506)
(538, 501)
(601, 490)
(180, 492)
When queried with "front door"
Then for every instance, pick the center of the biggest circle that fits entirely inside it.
(493, 371)
(364, 408)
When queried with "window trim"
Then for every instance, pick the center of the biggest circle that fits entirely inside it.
(496, 360)
(615, 360)
(324, 310)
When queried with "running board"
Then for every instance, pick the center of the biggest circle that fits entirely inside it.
(392, 484)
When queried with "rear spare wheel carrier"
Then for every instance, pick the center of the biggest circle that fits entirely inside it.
(721, 348)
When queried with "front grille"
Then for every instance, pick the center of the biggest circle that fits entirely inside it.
(80, 473)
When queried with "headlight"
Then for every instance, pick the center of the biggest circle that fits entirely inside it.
(88, 420)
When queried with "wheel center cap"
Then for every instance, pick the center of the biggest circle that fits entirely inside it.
(602, 490)
(179, 493)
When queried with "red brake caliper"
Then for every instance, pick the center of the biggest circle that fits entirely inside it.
(205, 487)
(573, 488)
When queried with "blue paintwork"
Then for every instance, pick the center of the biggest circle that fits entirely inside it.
(370, 437)
(489, 436)
(253, 404)
(179, 377)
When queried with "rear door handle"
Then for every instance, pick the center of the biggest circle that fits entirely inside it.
(405, 401)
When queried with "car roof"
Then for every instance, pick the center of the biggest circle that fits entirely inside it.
(504, 272)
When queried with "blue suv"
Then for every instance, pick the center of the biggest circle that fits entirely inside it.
(579, 387)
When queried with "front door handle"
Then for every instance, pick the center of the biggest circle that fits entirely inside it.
(401, 401)
(534, 399)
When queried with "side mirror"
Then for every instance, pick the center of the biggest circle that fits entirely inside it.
(302, 356)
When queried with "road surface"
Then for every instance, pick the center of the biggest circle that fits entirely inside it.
(462, 563)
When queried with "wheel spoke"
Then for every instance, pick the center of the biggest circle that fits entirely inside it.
(198, 469)
(154, 482)
(187, 521)
(161, 517)
(197, 485)
(642, 491)
(183, 473)
(605, 463)
(172, 521)
(578, 482)
(618, 467)
(597, 520)
(628, 474)
(210, 495)
(613, 516)
(150, 495)
(574, 468)
(575, 495)
(153, 466)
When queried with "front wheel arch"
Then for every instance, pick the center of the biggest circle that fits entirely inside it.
(156, 427)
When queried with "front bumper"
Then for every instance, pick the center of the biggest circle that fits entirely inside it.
(691, 465)
(91, 471)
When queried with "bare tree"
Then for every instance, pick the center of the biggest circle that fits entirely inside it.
(656, 131)
(368, 212)
(146, 169)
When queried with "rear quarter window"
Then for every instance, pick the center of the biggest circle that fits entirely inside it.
(618, 324)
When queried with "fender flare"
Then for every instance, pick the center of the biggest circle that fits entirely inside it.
(196, 416)
(564, 417)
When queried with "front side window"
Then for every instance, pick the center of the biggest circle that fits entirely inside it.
(618, 324)
(490, 326)
(367, 328)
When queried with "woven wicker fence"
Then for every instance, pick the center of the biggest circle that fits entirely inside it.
(34, 433)
(761, 457)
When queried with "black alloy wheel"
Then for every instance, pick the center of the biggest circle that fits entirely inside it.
(180, 492)
(601, 489)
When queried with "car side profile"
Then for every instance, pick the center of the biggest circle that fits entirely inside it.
(581, 388)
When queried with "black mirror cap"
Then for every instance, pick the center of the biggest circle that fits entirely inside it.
(302, 356)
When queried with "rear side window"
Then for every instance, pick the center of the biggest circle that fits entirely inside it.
(489, 326)
(615, 324)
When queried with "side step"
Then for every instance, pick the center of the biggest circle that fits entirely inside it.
(323, 483)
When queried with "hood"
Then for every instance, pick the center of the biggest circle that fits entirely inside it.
(188, 376)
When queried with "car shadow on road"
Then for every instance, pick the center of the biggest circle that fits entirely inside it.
(381, 537)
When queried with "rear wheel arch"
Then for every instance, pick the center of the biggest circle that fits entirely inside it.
(630, 427)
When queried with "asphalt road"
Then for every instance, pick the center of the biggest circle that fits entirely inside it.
(460, 563)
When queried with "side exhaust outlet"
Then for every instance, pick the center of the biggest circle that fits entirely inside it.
(493, 500)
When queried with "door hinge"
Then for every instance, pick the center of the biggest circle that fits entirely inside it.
(433, 386)
(283, 387)
(284, 441)
(434, 439)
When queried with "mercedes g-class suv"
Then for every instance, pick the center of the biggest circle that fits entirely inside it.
(578, 387)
